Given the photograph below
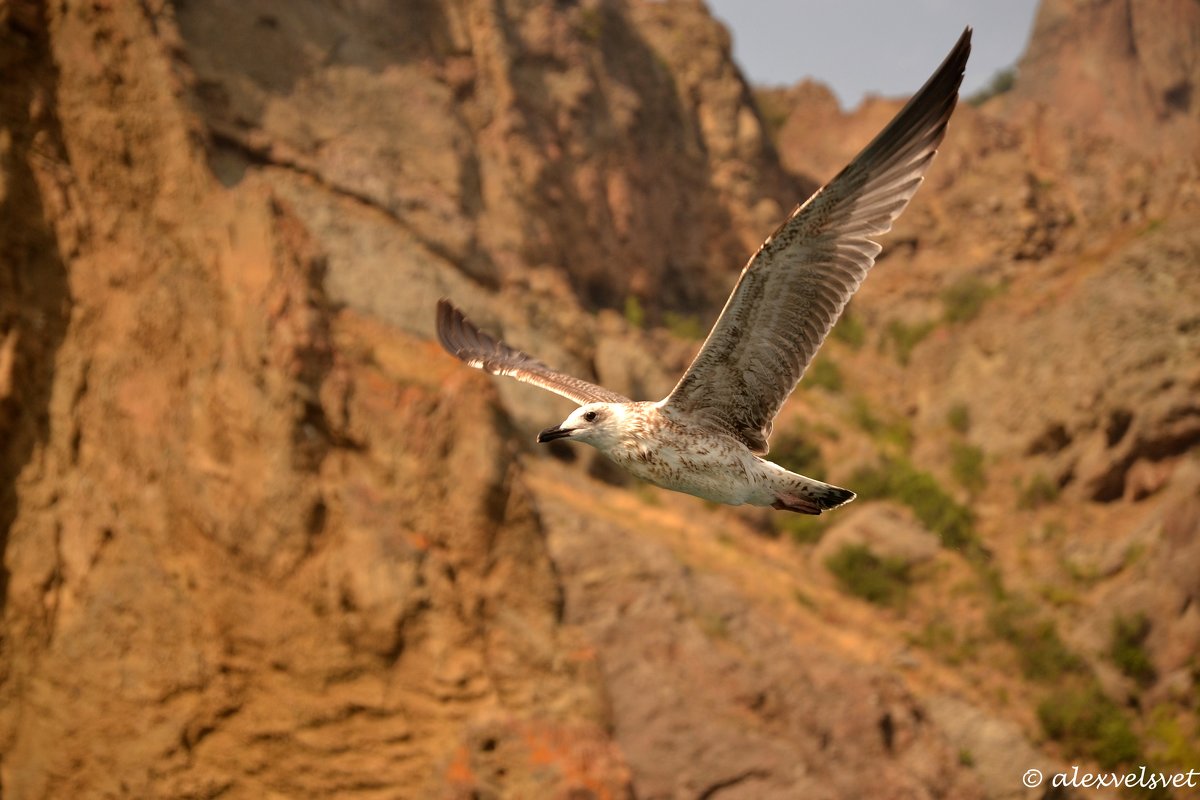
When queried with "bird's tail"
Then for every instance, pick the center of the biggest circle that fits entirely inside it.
(806, 496)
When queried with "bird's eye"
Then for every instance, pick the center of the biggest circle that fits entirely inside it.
(590, 416)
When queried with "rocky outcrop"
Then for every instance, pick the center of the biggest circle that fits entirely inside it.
(719, 683)
(254, 544)
(438, 150)
(885, 530)
(1119, 68)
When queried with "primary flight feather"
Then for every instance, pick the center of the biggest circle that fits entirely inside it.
(706, 436)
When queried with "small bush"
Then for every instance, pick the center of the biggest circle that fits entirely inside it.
(772, 110)
(850, 330)
(937, 634)
(905, 337)
(803, 599)
(1152, 225)
(635, 315)
(1002, 81)
(963, 300)
(1042, 653)
(898, 479)
(826, 432)
(1039, 491)
(714, 625)
(648, 494)
(967, 466)
(883, 581)
(801, 528)
(1171, 742)
(959, 418)
(942, 639)
(684, 326)
(1058, 595)
(864, 417)
(591, 24)
(824, 374)
(1088, 723)
(795, 452)
(897, 433)
(1128, 649)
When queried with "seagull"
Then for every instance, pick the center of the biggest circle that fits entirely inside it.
(707, 437)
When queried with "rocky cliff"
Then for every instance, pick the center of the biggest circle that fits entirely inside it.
(261, 537)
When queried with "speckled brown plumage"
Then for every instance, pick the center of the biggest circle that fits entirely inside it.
(794, 288)
(706, 436)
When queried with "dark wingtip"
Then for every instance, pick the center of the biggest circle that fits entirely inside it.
(835, 496)
(462, 339)
(447, 318)
(922, 120)
(455, 332)
(956, 60)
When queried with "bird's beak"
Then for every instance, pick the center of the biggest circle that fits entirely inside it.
(550, 434)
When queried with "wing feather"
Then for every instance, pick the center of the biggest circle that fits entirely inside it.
(464, 341)
(795, 287)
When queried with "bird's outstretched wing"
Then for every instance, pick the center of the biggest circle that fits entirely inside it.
(471, 345)
(795, 287)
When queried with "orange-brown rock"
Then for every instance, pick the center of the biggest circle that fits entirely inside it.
(261, 537)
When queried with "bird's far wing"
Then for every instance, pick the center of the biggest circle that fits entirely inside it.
(474, 347)
(795, 287)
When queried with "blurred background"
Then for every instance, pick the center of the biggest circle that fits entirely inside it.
(262, 538)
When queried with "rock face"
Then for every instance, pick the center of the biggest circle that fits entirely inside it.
(885, 530)
(712, 696)
(263, 545)
(261, 537)
(493, 140)
(1119, 68)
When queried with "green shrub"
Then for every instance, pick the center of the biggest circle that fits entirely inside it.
(898, 479)
(942, 639)
(967, 466)
(1041, 652)
(714, 625)
(1171, 742)
(635, 315)
(591, 24)
(795, 452)
(1152, 225)
(850, 330)
(1002, 81)
(904, 337)
(883, 581)
(959, 418)
(684, 326)
(937, 634)
(824, 374)
(897, 433)
(801, 528)
(864, 417)
(803, 599)
(1128, 650)
(1056, 594)
(963, 300)
(1088, 723)
(772, 110)
(1039, 491)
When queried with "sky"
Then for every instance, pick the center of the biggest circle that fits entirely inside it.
(860, 47)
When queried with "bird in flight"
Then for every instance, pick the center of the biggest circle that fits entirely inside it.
(706, 438)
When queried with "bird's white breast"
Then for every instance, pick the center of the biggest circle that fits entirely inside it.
(706, 464)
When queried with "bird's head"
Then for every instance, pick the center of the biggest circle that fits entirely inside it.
(597, 424)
